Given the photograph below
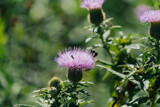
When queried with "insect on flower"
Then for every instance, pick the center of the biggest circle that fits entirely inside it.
(93, 53)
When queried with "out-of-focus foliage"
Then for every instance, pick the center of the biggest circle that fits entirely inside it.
(33, 31)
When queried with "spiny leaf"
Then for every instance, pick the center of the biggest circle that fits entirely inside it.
(22, 105)
(90, 38)
(115, 27)
(107, 20)
(103, 62)
(130, 47)
(112, 71)
(95, 46)
(106, 34)
(86, 82)
(139, 100)
(106, 75)
(84, 92)
(82, 102)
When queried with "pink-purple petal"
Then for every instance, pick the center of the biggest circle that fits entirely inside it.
(75, 59)
(92, 4)
(152, 16)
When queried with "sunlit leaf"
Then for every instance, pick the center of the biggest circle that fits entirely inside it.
(106, 34)
(130, 47)
(106, 75)
(90, 38)
(138, 101)
(22, 105)
(86, 82)
(82, 102)
(103, 62)
(115, 27)
(112, 71)
(107, 20)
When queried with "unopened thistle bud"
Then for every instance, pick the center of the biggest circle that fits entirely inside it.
(75, 75)
(153, 17)
(55, 82)
(155, 30)
(96, 14)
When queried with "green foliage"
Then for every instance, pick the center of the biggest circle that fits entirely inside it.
(136, 75)
(33, 31)
(64, 97)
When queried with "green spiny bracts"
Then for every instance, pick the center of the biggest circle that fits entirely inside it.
(96, 16)
(55, 82)
(155, 30)
(75, 75)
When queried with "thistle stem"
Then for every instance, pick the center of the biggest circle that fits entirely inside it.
(74, 95)
(153, 99)
(154, 91)
(158, 55)
(153, 104)
(105, 44)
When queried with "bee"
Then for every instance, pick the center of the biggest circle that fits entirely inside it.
(93, 53)
(72, 57)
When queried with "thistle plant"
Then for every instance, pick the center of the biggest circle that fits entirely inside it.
(66, 93)
(152, 16)
(136, 78)
(118, 49)
(136, 74)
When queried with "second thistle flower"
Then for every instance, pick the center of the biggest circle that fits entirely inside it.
(96, 14)
(153, 17)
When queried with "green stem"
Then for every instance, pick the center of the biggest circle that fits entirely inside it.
(153, 99)
(74, 95)
(158, 55)
(153, 91)
(105, 45)
(153, 104)
(107, 49)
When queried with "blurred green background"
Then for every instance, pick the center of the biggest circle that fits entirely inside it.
(33, 31)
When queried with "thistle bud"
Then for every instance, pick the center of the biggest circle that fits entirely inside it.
(155, 30)
(96, 16)
(75, 75)
(55, 82)
(151, 16)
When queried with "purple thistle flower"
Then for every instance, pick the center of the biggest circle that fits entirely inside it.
(141, 9)
(92, 4)
(152, 16)
(75, 59)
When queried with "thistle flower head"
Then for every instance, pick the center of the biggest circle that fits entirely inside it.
(152, 16)
(75, 59)
(92, 4)
(141, 9)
